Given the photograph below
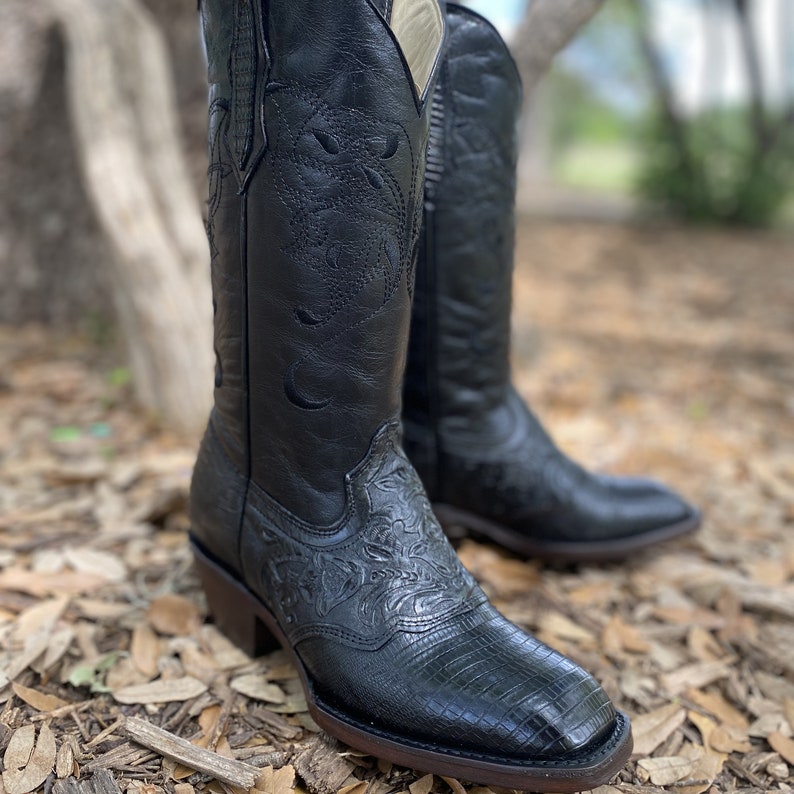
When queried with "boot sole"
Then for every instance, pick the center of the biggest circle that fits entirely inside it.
(248, 623)
(562, 551)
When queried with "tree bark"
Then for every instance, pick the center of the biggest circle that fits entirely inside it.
(52, 251)
(123, 113)
(752, 64)
(676, 127)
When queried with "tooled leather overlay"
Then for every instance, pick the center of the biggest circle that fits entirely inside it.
(386, 568)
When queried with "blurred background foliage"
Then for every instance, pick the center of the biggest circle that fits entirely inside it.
(684, 106)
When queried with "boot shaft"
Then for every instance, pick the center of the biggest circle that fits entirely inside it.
(317, 139)
(458, 368)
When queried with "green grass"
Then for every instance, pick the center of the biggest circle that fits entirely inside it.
(606, 167)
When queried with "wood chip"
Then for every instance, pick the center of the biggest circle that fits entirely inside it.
(161, 691)
(227, 770)
(64, 761)
(321, 767)
(101, 782)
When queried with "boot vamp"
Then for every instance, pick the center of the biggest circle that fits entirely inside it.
(396, 635)
(476, 683)
(521, 479)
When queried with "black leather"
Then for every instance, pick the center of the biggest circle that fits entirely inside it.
(301, 489)
(476, 445)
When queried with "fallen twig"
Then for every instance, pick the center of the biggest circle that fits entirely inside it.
(226, 770)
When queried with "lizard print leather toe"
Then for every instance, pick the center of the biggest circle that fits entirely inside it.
(310, 527)
(485, 459)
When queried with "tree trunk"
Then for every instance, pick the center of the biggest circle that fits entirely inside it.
(123, 113)
(547, 27)
(50, 240)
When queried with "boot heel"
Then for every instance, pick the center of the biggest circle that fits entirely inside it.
(232, 607)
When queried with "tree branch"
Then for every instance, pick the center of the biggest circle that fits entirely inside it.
(547, 27)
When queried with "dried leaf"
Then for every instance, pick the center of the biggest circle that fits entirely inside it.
(593, 593)
(62, 583)
(707, 765)
(729, 739)
(39, 617)
(39, 700)
(788, 710)
(617, 636)
(32, 773)
(703, 646)
(564, 628)
(454, 784)
(696, 676)
(259, 688)
(197, 663)
(20, 747)
(35, 647)
(59, 643)
(161, 691)
(705, 726)
(422, 786)
(360, 787)
(655, 727)
(666, 771)
(145, 650)
(124, 674)
(173, 614)
(96, 609)
(782, 744)
(716, 704)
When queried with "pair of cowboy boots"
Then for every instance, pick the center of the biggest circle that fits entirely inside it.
(311, 526)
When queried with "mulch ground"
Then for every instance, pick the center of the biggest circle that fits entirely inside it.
(646, 350)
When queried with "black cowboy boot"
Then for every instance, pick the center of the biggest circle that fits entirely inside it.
(309, 525)
(486, 462)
